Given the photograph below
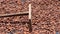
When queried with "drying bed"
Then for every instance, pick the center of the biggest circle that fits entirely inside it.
(45, 16)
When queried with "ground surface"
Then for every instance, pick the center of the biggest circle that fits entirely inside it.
(45, 16)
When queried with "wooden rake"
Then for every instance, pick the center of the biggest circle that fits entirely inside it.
(19, 14)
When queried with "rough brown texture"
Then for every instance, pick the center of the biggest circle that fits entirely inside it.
(45, 16)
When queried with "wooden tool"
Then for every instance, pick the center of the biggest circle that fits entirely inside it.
(21, 13)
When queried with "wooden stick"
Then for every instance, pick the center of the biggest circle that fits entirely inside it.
(13, 14)
(30, 25)
(29, 11)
